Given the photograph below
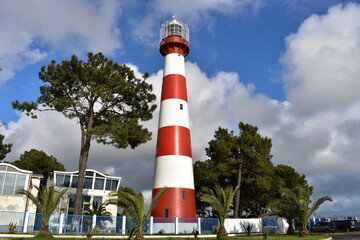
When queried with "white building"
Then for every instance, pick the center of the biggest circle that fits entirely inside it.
(97, 187)
(12, 179)
(12, 205)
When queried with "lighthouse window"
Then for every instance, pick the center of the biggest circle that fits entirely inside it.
(174, 29)
(166, 213)
(181, 106)
(184, 194)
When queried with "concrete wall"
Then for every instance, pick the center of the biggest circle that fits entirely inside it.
(19, 203)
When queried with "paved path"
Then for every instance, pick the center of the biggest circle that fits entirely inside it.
(346, 235)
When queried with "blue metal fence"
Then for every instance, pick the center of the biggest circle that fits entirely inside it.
(80, 224)
(209, 225)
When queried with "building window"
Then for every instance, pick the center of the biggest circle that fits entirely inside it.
(166, 213)
(181, 106)
(2, 176)
(97, 200)
(59, 178)
(184, 194)
(85, 201)
(20, 182)
(111, 184)
(74, 181)
(66, 181)
(71, 201)
(99, 183)
(62, 180)
(11, 180)
(88, 182)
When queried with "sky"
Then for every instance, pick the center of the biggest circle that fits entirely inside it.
(289, 67)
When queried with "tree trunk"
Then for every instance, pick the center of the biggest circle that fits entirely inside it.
(84, 154)
(237, 197)
(44, 231)
(291, 230)
(303, 231)
(221, 233)
(139, 236)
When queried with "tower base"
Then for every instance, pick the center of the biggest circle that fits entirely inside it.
(176, 202)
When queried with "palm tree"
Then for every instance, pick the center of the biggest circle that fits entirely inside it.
(220, 201)
(135, 207)
(295, 204)
(46, 202)
(306, 210)
(98, 210)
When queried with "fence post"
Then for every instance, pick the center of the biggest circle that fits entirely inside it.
(93, 225)
(199, 225)
(151, 225)
(123, 227)
(176, 225)
(26, 222)
(61, 223)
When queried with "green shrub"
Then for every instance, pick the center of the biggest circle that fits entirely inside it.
(265, 234)
(248, 228)
(12, 227)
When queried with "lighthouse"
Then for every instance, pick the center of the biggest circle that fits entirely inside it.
(173, 167)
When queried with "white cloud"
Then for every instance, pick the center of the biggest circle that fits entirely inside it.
(322, 60)
(320, 136)
(321, 73)
(62, 26)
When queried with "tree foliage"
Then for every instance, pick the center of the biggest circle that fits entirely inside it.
(124, 207)
(5, 148)
(250, 155)
(39, 163)
(220, 200)
(287, 177)
(205, 174)
(287, 183)
(97, 209)
(46, 202)
(245, 162)
(107, 100)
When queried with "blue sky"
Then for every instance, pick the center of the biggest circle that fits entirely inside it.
(289, 67)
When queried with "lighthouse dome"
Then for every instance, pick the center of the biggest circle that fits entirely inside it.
(174, 28)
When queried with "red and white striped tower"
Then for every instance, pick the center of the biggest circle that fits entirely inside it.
(173, 168)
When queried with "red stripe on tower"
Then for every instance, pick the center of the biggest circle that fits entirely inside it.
(173, 168)
(174, 86)
(177, 141)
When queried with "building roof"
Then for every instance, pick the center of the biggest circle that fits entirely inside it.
(8, 165)
(88, 170)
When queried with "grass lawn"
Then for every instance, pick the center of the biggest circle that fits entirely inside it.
(271, 237)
